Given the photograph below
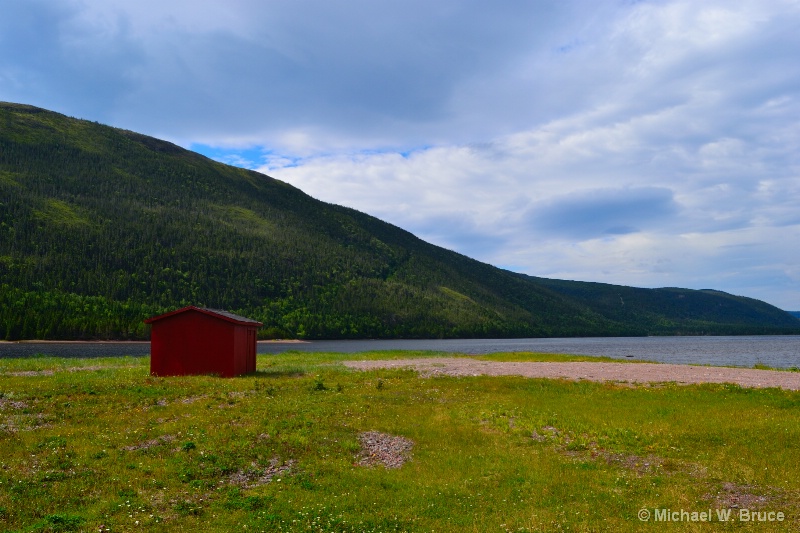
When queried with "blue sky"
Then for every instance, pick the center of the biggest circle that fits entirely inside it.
(651, 143)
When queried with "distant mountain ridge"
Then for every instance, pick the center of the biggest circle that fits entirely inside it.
(101, 228)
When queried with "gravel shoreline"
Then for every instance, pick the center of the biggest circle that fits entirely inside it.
(616, 372)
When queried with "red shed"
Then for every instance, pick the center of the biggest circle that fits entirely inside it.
(195, 340)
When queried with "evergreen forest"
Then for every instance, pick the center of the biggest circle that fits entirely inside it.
(101, 228)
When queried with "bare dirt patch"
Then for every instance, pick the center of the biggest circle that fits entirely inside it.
(642, 373)
(24, 422)
(91, 368)
(146, 445)
(29, 373)
(192, 399)
(733, 496)
(391, 451)
(255, 476)
(7, 403)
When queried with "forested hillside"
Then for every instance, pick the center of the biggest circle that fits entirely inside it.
(101, 228)
(671, 309)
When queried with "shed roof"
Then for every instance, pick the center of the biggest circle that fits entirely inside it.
(224, 315)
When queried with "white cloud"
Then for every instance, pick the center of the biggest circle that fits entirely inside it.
(646, 143)
(678, 173)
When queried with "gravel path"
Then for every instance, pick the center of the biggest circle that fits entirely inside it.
(621, 372)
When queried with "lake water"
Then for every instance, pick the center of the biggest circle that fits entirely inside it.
(775, 351)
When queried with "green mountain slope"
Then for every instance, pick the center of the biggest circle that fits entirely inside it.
(671, 309)
(100, 228)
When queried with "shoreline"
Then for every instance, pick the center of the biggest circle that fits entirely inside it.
(36, 341)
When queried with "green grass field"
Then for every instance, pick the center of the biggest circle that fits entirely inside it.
(99, 445)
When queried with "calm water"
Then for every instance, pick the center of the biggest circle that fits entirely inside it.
(774, 351)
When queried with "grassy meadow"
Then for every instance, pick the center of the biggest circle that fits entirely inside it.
(99, 445)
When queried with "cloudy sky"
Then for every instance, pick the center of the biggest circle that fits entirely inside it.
(650, 143)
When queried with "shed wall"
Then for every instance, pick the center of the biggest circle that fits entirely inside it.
(192, 343)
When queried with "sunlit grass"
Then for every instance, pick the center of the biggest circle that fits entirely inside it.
(98, 442)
